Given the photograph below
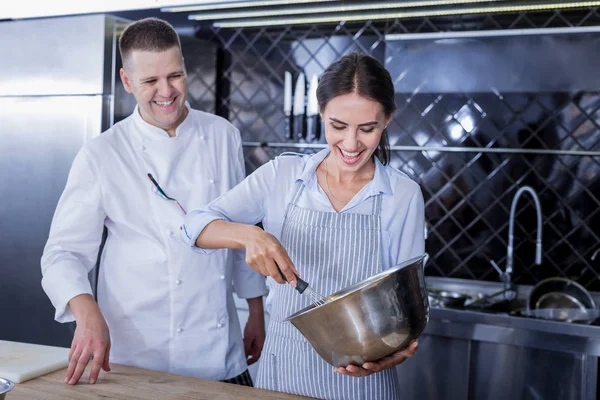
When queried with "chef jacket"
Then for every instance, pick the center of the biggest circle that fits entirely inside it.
(168, 308)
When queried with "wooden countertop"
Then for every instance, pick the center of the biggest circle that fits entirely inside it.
(130, 383)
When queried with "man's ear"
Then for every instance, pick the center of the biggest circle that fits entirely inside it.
(126, 80)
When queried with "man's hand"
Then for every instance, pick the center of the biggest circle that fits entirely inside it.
(390, 361)
(254, 333)
(91, 340)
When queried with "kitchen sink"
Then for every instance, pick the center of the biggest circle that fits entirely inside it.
(481, 296)
(484, 297)
(504, 306)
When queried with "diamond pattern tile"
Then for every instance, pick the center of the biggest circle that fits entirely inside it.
(199, 58)
(468, 195)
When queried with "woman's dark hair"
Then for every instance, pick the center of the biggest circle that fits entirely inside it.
(366, 76)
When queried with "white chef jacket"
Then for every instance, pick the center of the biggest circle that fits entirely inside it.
(167, 308)
(266, 193)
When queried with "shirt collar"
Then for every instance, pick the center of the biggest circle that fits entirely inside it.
(151, 132)
(379, 184)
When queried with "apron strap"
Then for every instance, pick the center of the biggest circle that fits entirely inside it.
(377, 200)
(295, 197)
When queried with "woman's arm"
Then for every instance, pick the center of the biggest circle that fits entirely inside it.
(264, 253)
(244, 203)
(228, 222)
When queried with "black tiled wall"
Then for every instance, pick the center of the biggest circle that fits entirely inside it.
(474, 136)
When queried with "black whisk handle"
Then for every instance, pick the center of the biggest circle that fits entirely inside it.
(301, 284)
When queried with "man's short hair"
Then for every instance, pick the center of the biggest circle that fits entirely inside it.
(148, 34)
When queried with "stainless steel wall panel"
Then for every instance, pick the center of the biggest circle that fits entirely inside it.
(58, 91)
(519, 63)
(53, 56)
(39, 137)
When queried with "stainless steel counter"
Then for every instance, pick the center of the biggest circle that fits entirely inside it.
(518, 331)
(467, 354)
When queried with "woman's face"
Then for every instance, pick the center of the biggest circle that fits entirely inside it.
(353, 128)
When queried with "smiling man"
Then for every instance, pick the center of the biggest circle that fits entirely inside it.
(159, 305)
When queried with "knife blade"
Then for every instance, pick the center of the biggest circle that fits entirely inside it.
(287, 104)
(312, 112)
(299, 94)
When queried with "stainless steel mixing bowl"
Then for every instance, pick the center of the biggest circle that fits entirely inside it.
(369, 320)
(5, 387)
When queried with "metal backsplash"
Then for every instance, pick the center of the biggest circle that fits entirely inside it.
(469, 150)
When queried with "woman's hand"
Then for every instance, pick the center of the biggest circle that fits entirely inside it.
(390, 361)
(264, 253)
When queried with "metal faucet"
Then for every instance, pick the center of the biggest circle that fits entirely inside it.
(506, 275)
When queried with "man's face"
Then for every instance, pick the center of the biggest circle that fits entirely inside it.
(158, 82)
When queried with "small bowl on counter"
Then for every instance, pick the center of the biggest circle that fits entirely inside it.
(559, 300)
(560, 293)
(5, 387)
(370, 319)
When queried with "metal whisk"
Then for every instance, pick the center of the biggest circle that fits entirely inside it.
(316, 298)
(302, 287)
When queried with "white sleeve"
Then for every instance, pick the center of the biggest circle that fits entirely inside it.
(412, 241)
(245, 203)
(75, 236)
(247, 283)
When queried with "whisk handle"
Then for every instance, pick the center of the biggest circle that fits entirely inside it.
(301, 284)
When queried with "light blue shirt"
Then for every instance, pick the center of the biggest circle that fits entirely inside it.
(265, 194)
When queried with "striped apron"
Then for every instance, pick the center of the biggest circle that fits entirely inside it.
(332, 251)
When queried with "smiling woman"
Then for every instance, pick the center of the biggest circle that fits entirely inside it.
(356, 107)
(362, 80)
(336, 218)
(354, 130)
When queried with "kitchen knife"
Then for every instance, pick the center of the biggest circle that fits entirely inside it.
(313, 124)
(299, 94)
(287, 104)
